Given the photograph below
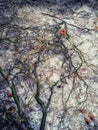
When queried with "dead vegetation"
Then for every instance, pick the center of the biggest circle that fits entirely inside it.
(38, 62)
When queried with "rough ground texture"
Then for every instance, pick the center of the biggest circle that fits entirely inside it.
(48, 64)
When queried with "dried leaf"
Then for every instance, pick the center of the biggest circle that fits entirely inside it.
(96, 28)
(12, 109)
(74, 75)
(83, 69)
(9, 94)
(87, 120)
(81, 129)
(91, 116)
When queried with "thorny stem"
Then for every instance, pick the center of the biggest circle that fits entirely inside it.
(39, 100)
(42, 104)
(15, 97)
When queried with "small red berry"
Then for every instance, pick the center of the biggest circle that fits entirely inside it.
(63, 32)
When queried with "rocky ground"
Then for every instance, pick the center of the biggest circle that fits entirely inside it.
(48, 64)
